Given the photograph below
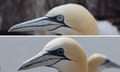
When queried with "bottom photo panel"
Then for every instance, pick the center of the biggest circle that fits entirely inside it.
(59, 54)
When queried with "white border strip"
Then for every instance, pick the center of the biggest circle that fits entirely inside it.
(60, 36)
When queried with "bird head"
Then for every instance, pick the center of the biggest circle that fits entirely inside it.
(99, 62)
(63, 54)
(68, 19)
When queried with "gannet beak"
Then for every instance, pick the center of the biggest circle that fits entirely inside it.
(42, 59)
(39, 24)
(110, 64)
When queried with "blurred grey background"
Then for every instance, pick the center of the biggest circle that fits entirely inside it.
(15, 50)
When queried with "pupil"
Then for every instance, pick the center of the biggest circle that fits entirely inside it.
(60, 52)
(107, 61)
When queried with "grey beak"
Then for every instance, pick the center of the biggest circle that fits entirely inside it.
(111, 64)
(114, 65)
(42, 59)
(39, 24)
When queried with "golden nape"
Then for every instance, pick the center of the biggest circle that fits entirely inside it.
(67, 19)
(98, 62)
(63, 54)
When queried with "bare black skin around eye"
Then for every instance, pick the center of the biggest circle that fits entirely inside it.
(106, 62)
(57, 52)
(58, 18)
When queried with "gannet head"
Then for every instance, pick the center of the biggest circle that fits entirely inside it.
(98, 62)
(68, 19)
(63, 54)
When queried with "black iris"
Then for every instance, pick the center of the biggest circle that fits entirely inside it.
(58, 52)
(107, 61)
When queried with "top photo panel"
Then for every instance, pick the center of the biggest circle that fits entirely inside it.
(59, 17)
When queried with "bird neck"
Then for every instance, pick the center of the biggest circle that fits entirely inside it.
(82, 67)
(68, 66)
(93, 67)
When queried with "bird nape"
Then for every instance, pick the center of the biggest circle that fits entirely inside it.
(63, 54)
(98, 62)
(67, 19)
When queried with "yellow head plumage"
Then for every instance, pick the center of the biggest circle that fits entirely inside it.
(64, 54)
(97, 62)
(68, 19)
(77, 17)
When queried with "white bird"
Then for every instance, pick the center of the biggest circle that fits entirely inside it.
(68, 19)
(63, 54)
(97, 62)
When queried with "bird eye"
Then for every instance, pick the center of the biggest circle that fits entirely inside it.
(106, 62)
(60, 18)
(60, 51)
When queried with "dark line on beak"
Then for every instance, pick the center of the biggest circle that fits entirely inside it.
(26, 66)
(54, 63)
(30, 22)
(33, 26)
(59, 27)
(56, 28)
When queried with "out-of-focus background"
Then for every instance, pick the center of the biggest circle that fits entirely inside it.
(14, 51)
(16, 11)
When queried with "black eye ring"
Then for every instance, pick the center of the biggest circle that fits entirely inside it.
(60, 18)
(106, 62)
(60, 51)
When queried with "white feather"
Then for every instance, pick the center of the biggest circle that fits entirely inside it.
(106, 28)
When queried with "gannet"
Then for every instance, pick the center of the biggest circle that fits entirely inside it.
(67, 19)
(97, 62)
(63, 54)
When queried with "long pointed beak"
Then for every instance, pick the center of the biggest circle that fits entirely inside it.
(115, 65)
(39, 24)
(42, 59)
(111, 64)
